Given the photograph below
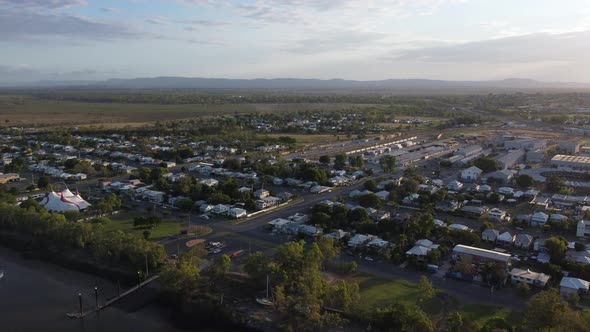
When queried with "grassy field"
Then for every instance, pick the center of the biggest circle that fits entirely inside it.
(26, 111)
(305, 139)
(382, 292)
(166, 228)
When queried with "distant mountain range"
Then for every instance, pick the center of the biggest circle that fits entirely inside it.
(305, 84)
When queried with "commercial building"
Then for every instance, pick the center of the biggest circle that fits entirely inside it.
(64, 201)
(562, 160)
(511, 158)
(8, 177)
(478, 255)
(568, 147)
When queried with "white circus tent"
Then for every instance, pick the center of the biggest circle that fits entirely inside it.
(64, 201)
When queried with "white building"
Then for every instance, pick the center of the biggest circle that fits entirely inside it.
(455, 185)
(472, 173)
(570, 285)
(64, 201)
(496, 214)
(529, 277)
(237, 213)
(582, 228)
(539, 219)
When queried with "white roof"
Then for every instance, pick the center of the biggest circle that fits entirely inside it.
(541, 216)
(574, 283)
(418, 251)
(474, 169)
(64, 201)
(462, 249)
(458, 227)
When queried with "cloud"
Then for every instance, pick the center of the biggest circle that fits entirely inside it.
(567, 47)
(50, 4)
(19, 25)
(337, 42)
(200, 22)
(109, 10)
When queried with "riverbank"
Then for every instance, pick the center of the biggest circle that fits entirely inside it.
(35, 296)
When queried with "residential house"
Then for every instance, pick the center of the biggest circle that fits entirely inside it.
(505, 238)
(267, 202)
(583, 228)
(539, 219)
(458, 227)
(490, 235)
(570, 285)
(210, 182)
(237, 213)
(220, 209)
(472, 173)
(503, 176)
(380, 215)
(496, 214)
(383, 195)
(455, 185)
(449, 205)
(523, 241)
(529, 277)
(359, 239)
(421, 249)
(261, 193)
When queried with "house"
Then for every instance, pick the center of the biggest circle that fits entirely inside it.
(267, 202)
(206, 208)
(458, 227)
(309, 230)
(539, 219)
(261, 193)
(570, 285)
(237, 213)
(496, 214)
(383, 195)
(285, 196)
(529, 277)
(490, 235)
(506, 191)
(220, 209)
(210, 182)
(473, 211)
(358, 239)
(503, 176)
(337, 235)
(505, 238)
(523, 240)
(558, 217)
(449, 205)
(380, 215)
(455, 185)
(471, 173)
(421, 249)
(582, 228)
(543, 258)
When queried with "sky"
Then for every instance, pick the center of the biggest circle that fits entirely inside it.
(547, 40)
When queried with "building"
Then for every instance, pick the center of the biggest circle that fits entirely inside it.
(421, 249)
(525, 143)
(496, 214)
(210, 182)
(267, 202)
(478, 255)
(505, 238)
(511, 158)
(529, 277)
(539, 219)
(9, 177)
(568, 147)
(523, 241)
(582, 228)
(261, 193)
(237, 213)
(490, 235)
(472, 211)
(455, 185)
(220, 209)
(64, 201)
(471, 173)
(535, 156)
(562, 160)
(570, 285)
(503, 176)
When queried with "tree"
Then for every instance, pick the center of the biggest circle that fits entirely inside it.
(425, 289)
(524, 181)
(556, 246)
(370, 185)
(147, 234)
(257, 266)
(454, 322)
(108, 203)
(370, 200)
(486, 225)
(325, 159)
(221, 265)
(43, 182)
(356, 161)
(387, 163)
(400, 317)
(547, 311)
(486, 164)
(340, 161)
(555, 184)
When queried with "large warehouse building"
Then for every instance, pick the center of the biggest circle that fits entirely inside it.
(564, 160)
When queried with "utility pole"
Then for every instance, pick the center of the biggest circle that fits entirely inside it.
(80, 302)
(147, 272)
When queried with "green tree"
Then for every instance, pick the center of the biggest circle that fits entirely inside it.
(221, 265)
(555, 184)
(524, 181)
(340, 161)
(325, 159)
(43, 182)
(454, 322)
(486, 164)
(486, 225)
(370, 200)
(425, 290)
(399, 317)
(556, 246)
(387, 163)
(548, 311)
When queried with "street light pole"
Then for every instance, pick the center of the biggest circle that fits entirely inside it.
(147, 272)
(96, 295)
(80, 302)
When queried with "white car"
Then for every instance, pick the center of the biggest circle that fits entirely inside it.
(204, 216)
(368, 258)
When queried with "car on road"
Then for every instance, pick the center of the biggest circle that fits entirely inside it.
(368, 258)
(205, 216)
(215, 251)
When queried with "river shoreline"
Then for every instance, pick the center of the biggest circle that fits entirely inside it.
(37, 295)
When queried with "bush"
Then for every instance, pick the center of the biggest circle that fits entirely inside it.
(523, 288)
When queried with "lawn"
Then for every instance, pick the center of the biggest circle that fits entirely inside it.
(167, 227)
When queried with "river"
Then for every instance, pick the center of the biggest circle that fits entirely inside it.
(36, 296)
